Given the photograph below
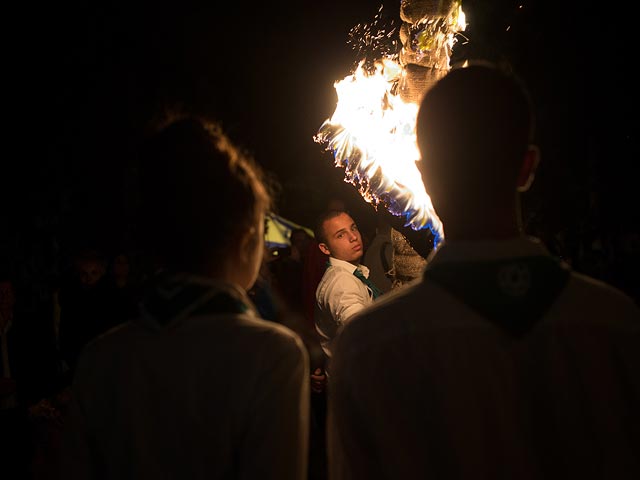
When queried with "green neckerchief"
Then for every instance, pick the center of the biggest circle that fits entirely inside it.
(513, 294)
(172, 296)
(374, 290)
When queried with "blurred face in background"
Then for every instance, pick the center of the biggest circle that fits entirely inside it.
(90, 272)
(300, 242)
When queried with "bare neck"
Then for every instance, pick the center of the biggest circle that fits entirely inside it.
(480, 224)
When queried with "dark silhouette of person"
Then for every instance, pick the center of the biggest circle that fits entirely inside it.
(88, 305)
(28, 373)
(500, 362)
(198, 385)
(124, 284)
(287, 270)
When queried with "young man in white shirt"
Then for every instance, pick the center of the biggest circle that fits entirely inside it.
(345, 288)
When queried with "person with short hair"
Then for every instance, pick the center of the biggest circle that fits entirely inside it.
(500, 362)
(344, 288)
(339, 295)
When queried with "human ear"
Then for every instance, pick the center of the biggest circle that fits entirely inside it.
(246, 246)
(324, 249)
(528, 169)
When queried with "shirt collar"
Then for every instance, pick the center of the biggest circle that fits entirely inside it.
(348, 266)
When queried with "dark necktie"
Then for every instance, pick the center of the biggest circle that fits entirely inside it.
(374, 290)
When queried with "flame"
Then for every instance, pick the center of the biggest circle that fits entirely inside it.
(371, 133)
(372, 136)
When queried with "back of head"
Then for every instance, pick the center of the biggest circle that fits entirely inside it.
(473, 129)
(198, 193)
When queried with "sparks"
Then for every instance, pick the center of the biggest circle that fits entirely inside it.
(371, 133)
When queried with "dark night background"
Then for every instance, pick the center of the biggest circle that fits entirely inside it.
(87, 78)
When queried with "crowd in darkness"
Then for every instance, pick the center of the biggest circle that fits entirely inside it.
(107, 74)
(56, 294)
(93, 289)
(46, 328)
(57, 312)
(66, 240)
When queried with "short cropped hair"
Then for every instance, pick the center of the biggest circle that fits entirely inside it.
(474, 127)
(318, 230)
(198, 193)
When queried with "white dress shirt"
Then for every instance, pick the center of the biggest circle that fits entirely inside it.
(339, 296)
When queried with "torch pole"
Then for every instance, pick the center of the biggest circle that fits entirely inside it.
(425, 59)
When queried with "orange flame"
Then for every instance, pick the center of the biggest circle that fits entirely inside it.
(371, 134)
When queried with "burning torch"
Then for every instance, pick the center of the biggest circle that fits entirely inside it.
(371, 134)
